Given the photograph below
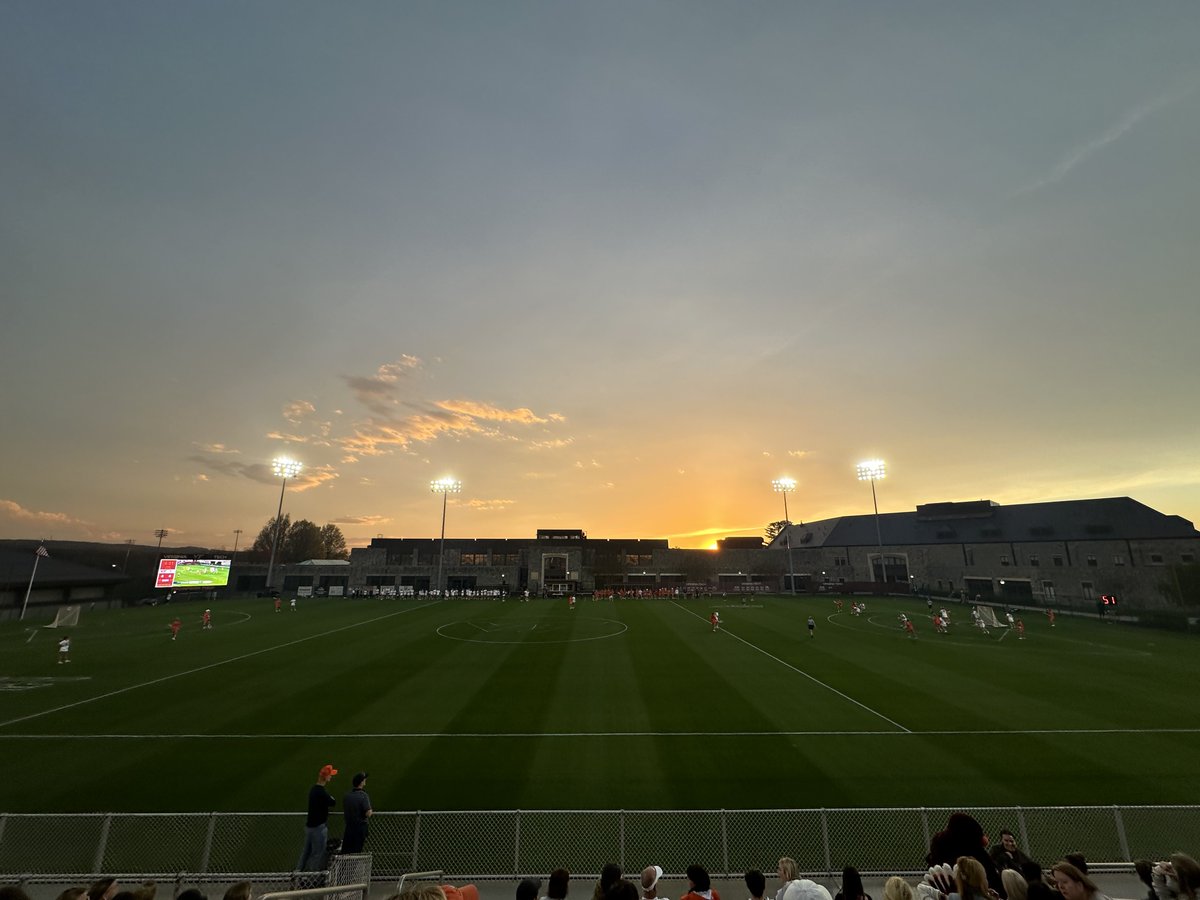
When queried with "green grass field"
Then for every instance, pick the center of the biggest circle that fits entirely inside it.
(630, 704)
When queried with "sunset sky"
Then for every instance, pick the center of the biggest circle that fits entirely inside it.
(614, 265)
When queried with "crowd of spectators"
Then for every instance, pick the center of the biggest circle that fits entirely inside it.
(962, 866)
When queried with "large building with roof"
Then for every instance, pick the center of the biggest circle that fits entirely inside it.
(1065, 554)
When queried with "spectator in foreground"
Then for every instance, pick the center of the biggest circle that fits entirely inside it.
(650, 879)
(73, 893)
(1176, 879)
(896, 888)
(559, 884)
(192, 894)
(1078, 861)
(1006, 854)
(756, 884)
(963, 836)
(243, 890)
(609, 876)
(699, 884)
(103, 889)
(787, 872)
(970, 880)
(1073, 884)
(852, 886)
(1015, 884)
(1039, 890)
(529, 889)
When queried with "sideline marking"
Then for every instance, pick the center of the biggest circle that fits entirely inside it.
(134, 687)
(594, 734)
(801, 672)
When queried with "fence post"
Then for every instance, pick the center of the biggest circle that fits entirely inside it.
(1023, 827)
(1121, 833)
(517, 845)
(724, 843)
(925, 825)
(825, 841)
(208, 842)
(102, 845)
(3, 822)
(621, 850)
(416, 838)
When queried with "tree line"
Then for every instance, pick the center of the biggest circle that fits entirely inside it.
(300, 540)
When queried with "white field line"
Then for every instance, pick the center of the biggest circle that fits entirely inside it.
(233, 659)
(425, 735)
(799, 671)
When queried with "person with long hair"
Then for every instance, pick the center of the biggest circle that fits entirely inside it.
(1176, 879)
(1073, 884)
(970, 880)
(1015, 884)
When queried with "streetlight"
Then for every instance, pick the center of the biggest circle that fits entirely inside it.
(445, 487)
(785, 486)
(873, 470)
(283, 468)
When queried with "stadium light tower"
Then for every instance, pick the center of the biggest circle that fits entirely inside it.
(873, 470)
(785, 486)
(283, 468)
(445, 487)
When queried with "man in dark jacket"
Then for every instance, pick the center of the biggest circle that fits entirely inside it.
(356, 808)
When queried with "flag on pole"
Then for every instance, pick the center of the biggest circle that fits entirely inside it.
(42, 551)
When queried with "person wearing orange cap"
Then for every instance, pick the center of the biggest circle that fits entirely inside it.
(316, 826)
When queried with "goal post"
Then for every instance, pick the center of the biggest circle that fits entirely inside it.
(988, 616)
(67, 617)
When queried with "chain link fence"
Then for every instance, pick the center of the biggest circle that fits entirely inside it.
(480, 845)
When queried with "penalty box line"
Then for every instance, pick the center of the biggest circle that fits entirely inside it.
(233, 659)
(788, 665)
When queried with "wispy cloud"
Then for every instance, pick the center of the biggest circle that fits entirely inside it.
(488, 505)
(1079, 154)
(309, 477)
(215, 448)
(13, 510)
(298, 410)
(361, 520)
(379, 392)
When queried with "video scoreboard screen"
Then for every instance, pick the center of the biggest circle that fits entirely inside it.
(184, 573)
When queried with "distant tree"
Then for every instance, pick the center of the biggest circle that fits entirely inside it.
(299, 540)
(776, 528)
(333, 543)
(262, 543)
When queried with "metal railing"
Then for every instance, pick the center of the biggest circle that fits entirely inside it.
(480, 844)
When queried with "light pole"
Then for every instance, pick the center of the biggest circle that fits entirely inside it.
(161, 533)
(284, 468)
(785, 486)
(237, 534)
(873, 470)
(128, 548)
(445, 487)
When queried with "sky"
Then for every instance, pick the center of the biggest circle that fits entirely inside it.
(615, 266)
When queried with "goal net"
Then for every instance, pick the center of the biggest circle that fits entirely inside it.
(988, 616)
(67, 616)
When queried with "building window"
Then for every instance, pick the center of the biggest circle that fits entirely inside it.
(638, 559)
(473, 559)
(1091, 561)
(1118, 560)
(1058, 560)
(1003, 559)
(1089, 590)
(1034, 561)
(841, 561)
(969, 555)
(1156, 559)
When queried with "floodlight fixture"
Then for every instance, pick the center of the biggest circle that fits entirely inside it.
(786, 486)
(873, 470)
(285, 468)
(445, 487)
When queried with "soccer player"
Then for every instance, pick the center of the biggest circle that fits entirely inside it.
(1050, 616)
(293, 603)
(206, 620)
(715, 619)
(278, 604)
(1020, 630)
(939, 624)
(909, 628)
(64, 650)
(571, 602)
(175, 626)
(812, 625)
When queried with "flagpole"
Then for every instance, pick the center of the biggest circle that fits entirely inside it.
(36, 558)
